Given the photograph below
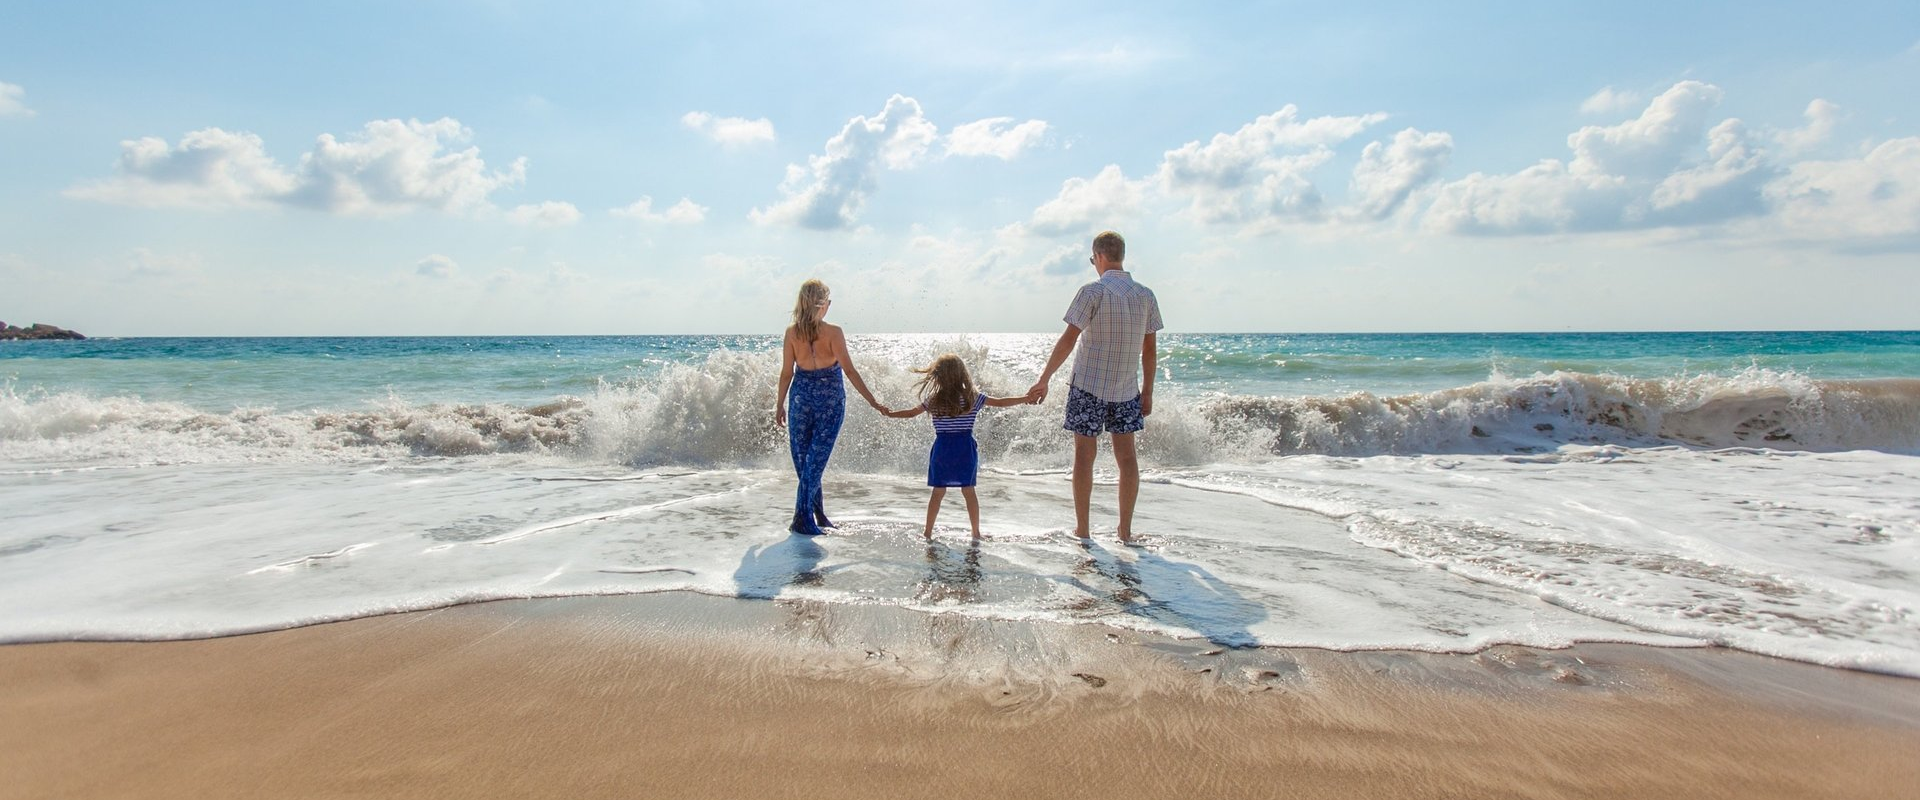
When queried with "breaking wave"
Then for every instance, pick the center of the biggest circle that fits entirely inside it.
(720, 413)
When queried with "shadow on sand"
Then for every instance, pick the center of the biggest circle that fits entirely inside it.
(1181, 595)
(766, 569)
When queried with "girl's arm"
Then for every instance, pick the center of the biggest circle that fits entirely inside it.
(853, 373)
(906, 412)
(786, 380)
(1003, 402)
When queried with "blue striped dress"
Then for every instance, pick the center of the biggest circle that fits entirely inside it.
(955, 459)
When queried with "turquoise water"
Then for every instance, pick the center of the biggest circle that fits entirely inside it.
(218, 374)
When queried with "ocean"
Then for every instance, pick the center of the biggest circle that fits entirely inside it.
(1438, 492)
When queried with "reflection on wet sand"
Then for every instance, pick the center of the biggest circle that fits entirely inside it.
(952, 575)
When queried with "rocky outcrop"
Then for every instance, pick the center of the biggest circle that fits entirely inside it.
(38, 330)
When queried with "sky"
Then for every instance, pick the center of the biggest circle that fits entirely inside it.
(513, 168)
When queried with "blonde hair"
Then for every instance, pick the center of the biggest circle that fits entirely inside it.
(806, 318)
(947, 389)
(1110, 245)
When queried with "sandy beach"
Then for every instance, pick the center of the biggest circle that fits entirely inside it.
(682, 695)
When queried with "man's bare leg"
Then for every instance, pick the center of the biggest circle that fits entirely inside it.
(1128, 464)
(1084, 448)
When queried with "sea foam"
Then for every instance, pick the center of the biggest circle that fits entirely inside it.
(720, 413)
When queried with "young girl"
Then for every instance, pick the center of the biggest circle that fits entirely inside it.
(947, 393)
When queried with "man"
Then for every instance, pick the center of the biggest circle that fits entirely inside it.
(1119, 319)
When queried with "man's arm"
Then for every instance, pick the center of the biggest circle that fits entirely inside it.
(1149, 363)
(1038, 394)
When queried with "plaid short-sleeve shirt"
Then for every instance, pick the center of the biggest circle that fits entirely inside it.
(1114, 315)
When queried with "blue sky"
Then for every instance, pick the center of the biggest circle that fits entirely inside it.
(510, 168)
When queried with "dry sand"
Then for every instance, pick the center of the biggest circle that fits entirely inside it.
(686, 696)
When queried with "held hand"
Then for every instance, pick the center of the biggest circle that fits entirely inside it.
(1037, 394)
(780, 416)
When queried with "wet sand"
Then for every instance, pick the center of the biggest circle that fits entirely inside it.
(685, 696)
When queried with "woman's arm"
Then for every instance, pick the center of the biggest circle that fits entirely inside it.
(853, 373)
(786, 380)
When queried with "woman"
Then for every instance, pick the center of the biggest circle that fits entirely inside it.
(811, 361)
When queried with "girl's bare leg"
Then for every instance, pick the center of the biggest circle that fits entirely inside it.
(933, 510)
(973, 509)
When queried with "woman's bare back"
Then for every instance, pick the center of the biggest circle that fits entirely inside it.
(818, 354)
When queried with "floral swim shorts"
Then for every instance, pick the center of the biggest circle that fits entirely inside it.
(1088, 415)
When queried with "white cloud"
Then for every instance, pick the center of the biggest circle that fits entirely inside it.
(1066, 260)
(504, 279)
(1240, 177)
(390, 166)
(1876, 195)
(1652, 144)
(394, 166)
(1542, 198)
(1650, 173)
(1610, 101)
(828, 193)
(1631, 175)
(732, 131)
(1821, 116)
(550, 214)
(1089, 205)
(436, 266)
(559, 276)
(211, 168)
(996, 136)
(13, 101)
(685, 212)
(1387, 174)
(1729, 183)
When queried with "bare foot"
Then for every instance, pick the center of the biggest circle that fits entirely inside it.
(927, 534)
(1126, 537)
